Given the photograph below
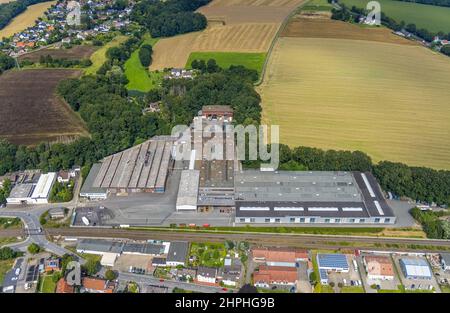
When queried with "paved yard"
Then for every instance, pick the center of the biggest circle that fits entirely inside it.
(124, 262)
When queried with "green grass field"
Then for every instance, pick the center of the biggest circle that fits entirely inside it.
(317, 5)
(47, 284)
(99, 56)
(433, 18)
(254, 61)
(5, 266)
(352, 289)
(139, 77)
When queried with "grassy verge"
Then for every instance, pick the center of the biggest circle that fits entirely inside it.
(445, 289)
(352, 289)
(99, 56)
(254, 61)
(277, 290)
(317, 5)
(10, 223)
(5, 266)
(47, 285)
(139, 77)
(8, 240)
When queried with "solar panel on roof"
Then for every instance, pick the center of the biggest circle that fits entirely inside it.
(332, 261)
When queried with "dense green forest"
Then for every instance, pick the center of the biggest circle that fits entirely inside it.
(145, 55)
(169, 18)
(6, 62)
(10, 10)
(352, 15)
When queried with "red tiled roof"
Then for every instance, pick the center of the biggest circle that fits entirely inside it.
(63, 287)
(279, 254)
(379, 265)
(97, 285)
(275, 274)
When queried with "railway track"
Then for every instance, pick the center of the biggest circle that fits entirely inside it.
(292, 240)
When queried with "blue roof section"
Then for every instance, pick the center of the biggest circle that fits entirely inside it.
(338, 261)
(323, 274)
(420, 262)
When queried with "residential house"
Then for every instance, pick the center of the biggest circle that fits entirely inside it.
(97, 285)
(267, 276)
(63, 287)
(279, 256)
(231, 272)
(51, 265)
(207, 274)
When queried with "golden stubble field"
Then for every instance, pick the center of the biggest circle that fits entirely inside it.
(26, 19)
(233, 26)
(388, 100)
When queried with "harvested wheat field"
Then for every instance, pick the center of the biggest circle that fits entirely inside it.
(30, 110)
(233, 26)
(26, 19)
(388, 100)
(301, 26)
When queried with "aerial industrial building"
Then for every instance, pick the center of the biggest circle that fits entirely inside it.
(142, 168)
(379, 267)
(331, 263)
(33, 191)
(415, 268)
(309, 197)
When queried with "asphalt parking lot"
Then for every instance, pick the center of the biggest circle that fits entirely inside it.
(12, 276)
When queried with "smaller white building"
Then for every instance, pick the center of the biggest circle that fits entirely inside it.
(188, 190)
(207, 274)
(33, 193)
(44, 186)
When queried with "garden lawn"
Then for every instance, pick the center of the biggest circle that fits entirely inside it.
(208, 254)
(139, 77)
(254, 61)
(47, 284)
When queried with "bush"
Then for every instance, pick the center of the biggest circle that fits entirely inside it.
(110, 275)
(34, 248)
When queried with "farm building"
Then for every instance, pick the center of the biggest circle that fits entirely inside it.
(379, 267)
(294, 197)
(331, 263)
(142, 168)
(215, 112)
(275, 275)
(33, 191)
(287, 257)
(188, 190)
(415, 268)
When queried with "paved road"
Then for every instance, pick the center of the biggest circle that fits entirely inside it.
(32, 231)
(150, 280)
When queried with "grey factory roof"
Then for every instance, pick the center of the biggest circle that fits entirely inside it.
(88, 187)
(188, 189)
(254, 185)
(22, 191)
(325, 194)
(142, 166)
(178, 251)
(100, 245)
(143, 248)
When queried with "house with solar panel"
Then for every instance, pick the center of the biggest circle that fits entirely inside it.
(331, 263)
(415, 268)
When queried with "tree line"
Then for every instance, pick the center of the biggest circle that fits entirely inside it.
(49, 61)
(10, 10)
(431, 223)
(169, 18)
(145, 55)
(6, 62)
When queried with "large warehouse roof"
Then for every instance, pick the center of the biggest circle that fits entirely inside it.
(254, 185)
(44, 185)
(416, 267)
(325, 194)
(188, 190)
(142, 166)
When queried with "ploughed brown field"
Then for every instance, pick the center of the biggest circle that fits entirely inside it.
(75, 53)
(30, 110)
